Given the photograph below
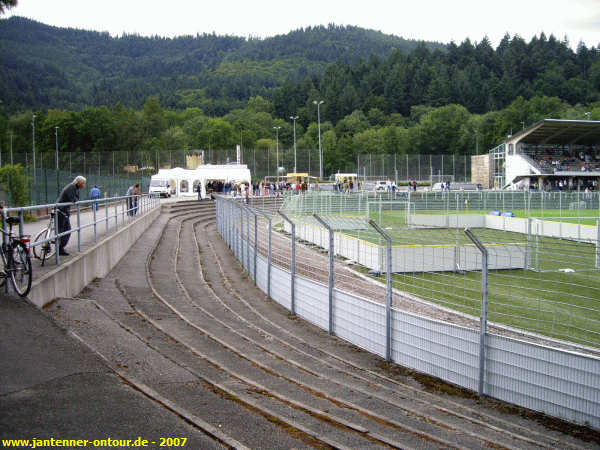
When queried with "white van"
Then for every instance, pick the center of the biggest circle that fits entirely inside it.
(159, 187)
(383, 185)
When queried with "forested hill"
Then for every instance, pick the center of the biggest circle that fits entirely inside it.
(48, 67)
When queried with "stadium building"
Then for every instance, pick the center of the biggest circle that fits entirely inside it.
(549, 155)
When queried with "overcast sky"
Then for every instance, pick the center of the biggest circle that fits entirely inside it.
(429, 20)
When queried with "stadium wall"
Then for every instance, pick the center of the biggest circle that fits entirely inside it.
(413, 258)
(539, 227)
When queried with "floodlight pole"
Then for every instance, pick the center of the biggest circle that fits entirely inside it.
(484, 306)
(277, 150)
(294, 118)
(57, 175)
(33, 143)
(319, 103)
(388, 290)
(331, 270)
(292, 265)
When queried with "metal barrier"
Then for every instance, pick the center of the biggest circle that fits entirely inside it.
(123, 207)
(453, 346)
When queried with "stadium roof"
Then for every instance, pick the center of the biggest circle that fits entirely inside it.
(559, 132)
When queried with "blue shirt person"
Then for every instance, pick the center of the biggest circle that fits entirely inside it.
(95, 195)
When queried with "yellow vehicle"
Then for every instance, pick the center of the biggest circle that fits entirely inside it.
(299, 178)
(346, 177)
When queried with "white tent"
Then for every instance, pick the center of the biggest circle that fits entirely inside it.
(183, 182)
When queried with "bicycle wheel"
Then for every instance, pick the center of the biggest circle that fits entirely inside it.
(45, 250)
(3, 274)
(20, 269)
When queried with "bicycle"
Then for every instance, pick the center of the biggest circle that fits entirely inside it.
(15, 260)
(47, 249)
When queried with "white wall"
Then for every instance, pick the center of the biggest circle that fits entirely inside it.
(415, 258)
(517, 165)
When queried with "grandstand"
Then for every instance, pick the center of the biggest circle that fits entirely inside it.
(552, 154)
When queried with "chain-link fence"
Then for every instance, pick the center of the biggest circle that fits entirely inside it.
(122, 167)
(421, 168)
(112, 172)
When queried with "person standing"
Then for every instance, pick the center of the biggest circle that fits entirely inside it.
(69, 194)
(136, 198)
(131, 199)
(129, 195)
(132, 191)
(95, 195)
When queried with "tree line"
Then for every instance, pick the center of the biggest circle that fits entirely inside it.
(381, 94)
(448, 129)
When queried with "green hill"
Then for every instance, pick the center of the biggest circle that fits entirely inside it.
(48, 67)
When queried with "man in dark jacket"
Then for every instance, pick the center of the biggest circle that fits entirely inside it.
(69, 194)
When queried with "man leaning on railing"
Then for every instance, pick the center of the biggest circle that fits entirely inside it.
(69, 194)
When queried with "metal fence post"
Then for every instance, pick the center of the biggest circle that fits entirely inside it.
(94, 208)
(292, 265)
(57, 243)
(235, 232)
(78, 227)
(106, 213)
(247, 238)
(21, 223)
(241, 222)
(255, 244)
(484, 306)
(331, 269)
(270, 258)
(269, 251)
(230, 225)
(388, 291)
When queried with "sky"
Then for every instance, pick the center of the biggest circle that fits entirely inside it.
(441, 21)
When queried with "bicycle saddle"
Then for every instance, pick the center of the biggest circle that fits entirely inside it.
(12, 220)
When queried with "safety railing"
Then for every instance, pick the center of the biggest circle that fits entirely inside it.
(99, 213)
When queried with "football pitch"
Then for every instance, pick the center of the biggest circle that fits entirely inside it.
(557, 294)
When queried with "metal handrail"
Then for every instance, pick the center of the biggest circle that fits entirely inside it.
(106, 202)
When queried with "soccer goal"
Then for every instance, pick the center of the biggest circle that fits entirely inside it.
(390, 214)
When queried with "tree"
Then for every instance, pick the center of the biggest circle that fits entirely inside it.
(154, 117)
(6, 5)
(14, 182)
(440, 129)
(217, 134)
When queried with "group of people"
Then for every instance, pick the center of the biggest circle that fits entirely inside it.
(344, 186)
(567, 184)
(566, 160)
